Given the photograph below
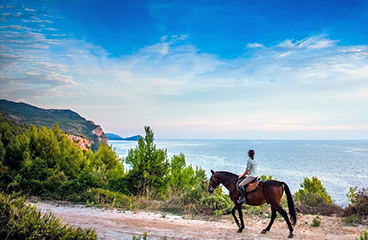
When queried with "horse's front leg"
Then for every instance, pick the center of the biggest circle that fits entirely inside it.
(233, 213)
(241, 227)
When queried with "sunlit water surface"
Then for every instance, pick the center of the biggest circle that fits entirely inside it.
(339, 164)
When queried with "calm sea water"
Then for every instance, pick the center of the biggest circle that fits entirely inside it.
(338, 164)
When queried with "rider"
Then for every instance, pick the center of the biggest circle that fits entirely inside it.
(250, 174)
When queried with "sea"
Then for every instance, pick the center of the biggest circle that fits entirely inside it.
(338, 164)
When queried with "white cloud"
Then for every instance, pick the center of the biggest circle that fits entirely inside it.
(310, 84)
(255, 45)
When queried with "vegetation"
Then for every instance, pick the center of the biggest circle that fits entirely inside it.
(314, 199)
(21, 221)
(316, 222)
(357, 210)
(363, 235)
(44, 162)
(69, 121)
(143, 237)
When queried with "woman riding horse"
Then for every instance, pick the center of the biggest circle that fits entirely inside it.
(269, 191)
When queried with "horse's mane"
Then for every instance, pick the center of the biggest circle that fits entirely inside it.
(228, 173)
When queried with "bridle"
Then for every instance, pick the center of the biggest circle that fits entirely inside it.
(211, 188)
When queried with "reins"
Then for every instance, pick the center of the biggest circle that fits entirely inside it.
(234, 180)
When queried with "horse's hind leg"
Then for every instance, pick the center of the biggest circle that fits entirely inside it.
(273, 216)
(285, 216)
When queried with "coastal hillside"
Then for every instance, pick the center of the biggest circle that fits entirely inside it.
(81, 130)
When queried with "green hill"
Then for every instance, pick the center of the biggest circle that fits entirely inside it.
(69, 121)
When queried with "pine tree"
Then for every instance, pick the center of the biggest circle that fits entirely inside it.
(149, 166)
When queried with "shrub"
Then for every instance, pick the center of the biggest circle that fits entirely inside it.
(316, 222)
(315, 186)
(363, 235)
(353, 219)
(143, 237)
(357, 210)
(314, 199)
(21, 221)
(100, 197)
(358, 203)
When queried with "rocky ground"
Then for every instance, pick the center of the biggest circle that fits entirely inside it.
(116, 224)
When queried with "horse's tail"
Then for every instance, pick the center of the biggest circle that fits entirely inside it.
(290, 204)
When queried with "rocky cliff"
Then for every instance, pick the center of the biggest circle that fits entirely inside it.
(101, 135)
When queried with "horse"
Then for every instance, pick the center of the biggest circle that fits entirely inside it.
(269, 192)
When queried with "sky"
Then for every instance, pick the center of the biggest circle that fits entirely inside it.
(193, 69)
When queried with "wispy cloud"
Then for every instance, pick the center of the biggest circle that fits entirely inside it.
(298, 84)
(27, 60)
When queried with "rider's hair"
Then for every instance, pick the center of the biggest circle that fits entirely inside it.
(251, 154)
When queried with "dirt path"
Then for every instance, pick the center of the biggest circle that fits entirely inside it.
(121, 225)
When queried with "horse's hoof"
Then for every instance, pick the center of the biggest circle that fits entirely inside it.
(239, 230)
(291, 235)
(264, 231)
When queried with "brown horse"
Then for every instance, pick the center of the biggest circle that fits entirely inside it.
(269, 192)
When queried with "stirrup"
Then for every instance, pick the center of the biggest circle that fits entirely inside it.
(242, 200)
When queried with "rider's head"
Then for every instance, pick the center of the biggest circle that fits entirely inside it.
(251, 154)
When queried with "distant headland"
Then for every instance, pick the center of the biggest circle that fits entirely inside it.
(112, 136)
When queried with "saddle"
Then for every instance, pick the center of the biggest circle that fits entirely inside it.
(250, 187)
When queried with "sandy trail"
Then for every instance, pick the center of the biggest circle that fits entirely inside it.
(121, 225)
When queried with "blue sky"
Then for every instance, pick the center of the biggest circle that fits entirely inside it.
(193, 69)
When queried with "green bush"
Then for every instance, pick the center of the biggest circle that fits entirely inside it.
(314, 199)
(353, 219)
(21, 221)
(363, 235)
(315, 186)
(316, 222)
(101, 197)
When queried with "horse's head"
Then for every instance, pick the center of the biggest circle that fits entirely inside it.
(213, 182)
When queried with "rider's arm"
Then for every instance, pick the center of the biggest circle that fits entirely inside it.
(245, 173)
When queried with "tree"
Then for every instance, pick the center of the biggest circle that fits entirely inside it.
(313, 186)
(105, 155)
(149, 166)
(181, 177)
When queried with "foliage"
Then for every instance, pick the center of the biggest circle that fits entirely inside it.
(351, 195)
(44, 162)
(143, 237)
(69, 121)
(181, 177)
(312, 186)
(21, 221)
(363, 235)
(265, 178)
(353, 219)
(316, 222)
(150, 166)
(358, 207)
(314, 199)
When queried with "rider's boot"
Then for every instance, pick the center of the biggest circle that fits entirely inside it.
(243, 195)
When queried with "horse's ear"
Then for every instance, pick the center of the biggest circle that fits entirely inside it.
(213, 172)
